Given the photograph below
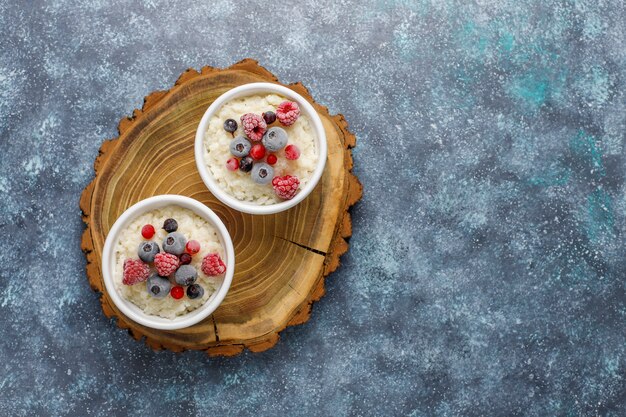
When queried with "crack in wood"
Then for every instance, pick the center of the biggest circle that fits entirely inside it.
(310, 249)
(291, 286)
(217, 338)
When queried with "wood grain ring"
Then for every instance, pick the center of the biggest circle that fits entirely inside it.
(282, 259)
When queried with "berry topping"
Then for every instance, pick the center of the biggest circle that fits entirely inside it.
(269, 117)
(288, 112)
(158, 286)
(147, 231)
(292, 152)
(186, 275)
(272, 159)
(174, 243)
(254, 126)
(170, 225)
(192, 247)
(258, 151)
(232, 164)
(275, 139)
(185, 259)
(147, 250)
(262, 173)
(166, 263)
(195, 291)
(177, 292)
(286, 187)
(240, 146)
(246, 163)
(230, 125)
(134, 271)
(213, 265)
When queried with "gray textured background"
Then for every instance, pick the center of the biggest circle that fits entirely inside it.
(486, 272)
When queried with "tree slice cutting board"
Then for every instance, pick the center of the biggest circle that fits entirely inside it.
(282, 259)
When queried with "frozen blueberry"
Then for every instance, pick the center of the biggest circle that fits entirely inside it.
(186, 275)
(262, 173)
(275, 139)
(158, 286)
(174, 243)
(240, 147)
(195, 291)
(147, 251)
(170, 225)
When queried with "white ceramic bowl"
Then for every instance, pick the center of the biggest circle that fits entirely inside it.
(248, 90)
(129, 309)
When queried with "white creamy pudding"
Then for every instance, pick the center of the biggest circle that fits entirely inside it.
(242, 184)
(161, 301)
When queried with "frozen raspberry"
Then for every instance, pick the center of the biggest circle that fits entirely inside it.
(213, 265)
(292, 152)
(254, 126)
(288, 112)
(135, 271)
(166, 263)
(286, 187)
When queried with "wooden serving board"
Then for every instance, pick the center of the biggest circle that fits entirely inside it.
(282, 259)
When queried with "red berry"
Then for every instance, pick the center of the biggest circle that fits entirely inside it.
(177, 292)
(192, 247)
(292, 152)
(166, 263)
(258, 151)
(213, 265)
(286, 187)
(185, 259)
(288, 112)
(134, 271)
(254, 126)
(147, 231)
(232, 164)
(271, 159)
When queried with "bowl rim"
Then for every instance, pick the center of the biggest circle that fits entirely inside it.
(132, 311)
(242, 91)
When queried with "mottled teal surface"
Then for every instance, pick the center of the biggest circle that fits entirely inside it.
(487, 269)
